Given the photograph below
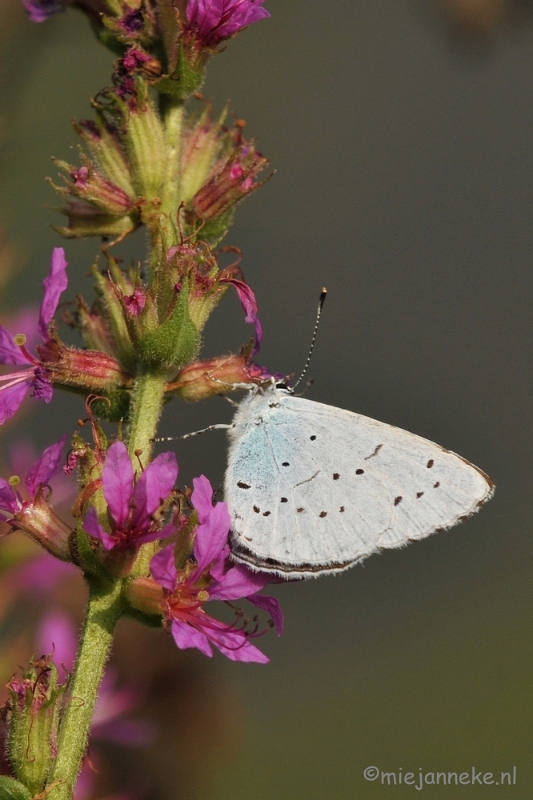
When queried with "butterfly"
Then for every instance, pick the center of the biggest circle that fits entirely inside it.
(313, 489)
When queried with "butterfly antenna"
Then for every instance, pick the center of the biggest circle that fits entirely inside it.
(313, 340)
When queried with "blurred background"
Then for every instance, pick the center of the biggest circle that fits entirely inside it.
(402, 136)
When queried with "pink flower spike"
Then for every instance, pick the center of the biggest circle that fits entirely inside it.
(117, 482)
(40, 473)
(54, 285)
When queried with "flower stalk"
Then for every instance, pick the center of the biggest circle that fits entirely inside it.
(146, 547)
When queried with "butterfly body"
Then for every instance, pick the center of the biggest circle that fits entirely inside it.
(313, 489)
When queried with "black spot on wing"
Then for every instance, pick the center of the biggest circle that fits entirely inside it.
(257, 510)
(284, 500)
(323, 514)
(336, 476)
(398, 500)
(359, 471)
(312, 438)
(430, 463)
(243, 485)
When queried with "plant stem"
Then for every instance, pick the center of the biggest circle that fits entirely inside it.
(103, 610)
(146, 406)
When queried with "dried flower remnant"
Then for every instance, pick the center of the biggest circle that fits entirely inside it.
(211, 577)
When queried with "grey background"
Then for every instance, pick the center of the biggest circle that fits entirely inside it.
(404, 184)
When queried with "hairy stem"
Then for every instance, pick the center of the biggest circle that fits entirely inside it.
(103, 610)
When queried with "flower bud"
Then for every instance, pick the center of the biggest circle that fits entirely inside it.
(34, 708)
(39, 520)
(145, 595)
(86, 370)
(214, 376)
(230, 184)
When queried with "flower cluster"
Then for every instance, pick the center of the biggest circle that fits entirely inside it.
(181, 591)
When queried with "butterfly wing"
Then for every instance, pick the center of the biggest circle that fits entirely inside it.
(313, 489)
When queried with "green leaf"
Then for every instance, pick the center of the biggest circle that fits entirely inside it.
(10, 789)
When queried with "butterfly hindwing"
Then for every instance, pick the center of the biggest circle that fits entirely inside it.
(314, 489)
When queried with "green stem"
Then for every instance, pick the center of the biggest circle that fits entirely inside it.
(104, 609)
(146, 406)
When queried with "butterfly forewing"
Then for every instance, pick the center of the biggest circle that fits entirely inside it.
(314, 489)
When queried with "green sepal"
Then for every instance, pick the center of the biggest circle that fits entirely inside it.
(109, 40)
(87, 559)
(10, 789)
(176, 342)
(183, 81)
(214, 230)
(116, 409)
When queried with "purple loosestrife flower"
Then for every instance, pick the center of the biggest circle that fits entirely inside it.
(212, 21)
(34, 516)
(132, 503)
(213, 577)
(36, 478)
(17, 384)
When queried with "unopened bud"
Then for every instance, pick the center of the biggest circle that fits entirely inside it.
(215, 376)
(34, 707)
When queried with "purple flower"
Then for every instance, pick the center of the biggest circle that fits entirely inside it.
(40, 10)
(133, 503)
(212, 578)
(36, 478)
(17, 384)
(212, 21)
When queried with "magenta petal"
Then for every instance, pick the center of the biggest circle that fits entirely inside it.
(186, 636)
(163, 568)
(249, 304)
(54, 285)
(237, 582)
(45, 466)
(10, 352)
(212, 533)
(93, 528)
(153, 487)
(233, 644)
(12, 396)
(9, 500)
(270, 604)
(117, 482)
(57, 634)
